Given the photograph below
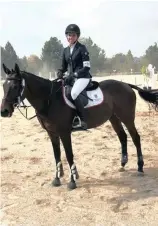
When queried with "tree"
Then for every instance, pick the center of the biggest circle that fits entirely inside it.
(97, 55)
(34, 64)
(52, 53)
(152, 55)
(108, 65)
(129, 61)
(143, 62)
(3, 60)
(137, 64)
(143, 70)
(23, 63)
(10, 56)
(119, 62)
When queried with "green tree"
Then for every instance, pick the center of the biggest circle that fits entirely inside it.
(52, 53)
(152, 55)
(129, 61)
(143, 62)
(3, 60)
(10, 55)
(143, 70)
(108, 65)
(97, 55)
(119, 62)
(23, 62)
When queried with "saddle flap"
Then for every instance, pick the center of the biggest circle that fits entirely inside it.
(91, 98)
(68, 92)
(83, 95)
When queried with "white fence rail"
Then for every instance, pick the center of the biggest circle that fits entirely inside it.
(136, 79)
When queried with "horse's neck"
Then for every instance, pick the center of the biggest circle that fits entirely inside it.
(36, 91)
(37, 87)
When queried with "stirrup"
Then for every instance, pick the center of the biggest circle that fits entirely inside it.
(77, 124)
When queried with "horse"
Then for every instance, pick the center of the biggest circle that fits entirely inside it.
(55, 112)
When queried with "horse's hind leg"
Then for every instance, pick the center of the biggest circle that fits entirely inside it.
(117, 126)
(136, 140)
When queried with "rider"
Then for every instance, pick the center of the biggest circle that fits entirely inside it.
(76, 61)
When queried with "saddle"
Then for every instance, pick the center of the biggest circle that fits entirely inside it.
(91, 96)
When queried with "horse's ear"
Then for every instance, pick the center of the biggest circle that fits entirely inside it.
(17, 69)
(6, 70)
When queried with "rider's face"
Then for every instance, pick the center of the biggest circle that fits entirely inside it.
(72, 38)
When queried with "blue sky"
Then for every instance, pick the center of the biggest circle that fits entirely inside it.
(116, 26)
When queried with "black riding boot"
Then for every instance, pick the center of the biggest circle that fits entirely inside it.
(80, 112)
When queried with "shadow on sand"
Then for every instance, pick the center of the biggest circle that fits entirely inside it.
(139, 187)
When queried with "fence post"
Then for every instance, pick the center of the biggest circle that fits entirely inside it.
(135, 78)
(50, 75)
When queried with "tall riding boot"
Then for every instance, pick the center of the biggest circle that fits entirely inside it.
(80, 111)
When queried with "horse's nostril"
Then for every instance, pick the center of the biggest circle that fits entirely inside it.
(5, 113)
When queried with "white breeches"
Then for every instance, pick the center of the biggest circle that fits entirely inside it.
(79, 85)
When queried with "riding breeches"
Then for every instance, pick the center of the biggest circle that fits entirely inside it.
(79, 85)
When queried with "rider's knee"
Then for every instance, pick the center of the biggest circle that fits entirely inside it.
(73, 94)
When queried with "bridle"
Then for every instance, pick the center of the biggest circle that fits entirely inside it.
(20, 99)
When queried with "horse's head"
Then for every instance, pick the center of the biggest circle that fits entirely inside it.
(12, 88)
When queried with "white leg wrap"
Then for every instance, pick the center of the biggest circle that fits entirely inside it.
(58, 169)
(73, 171)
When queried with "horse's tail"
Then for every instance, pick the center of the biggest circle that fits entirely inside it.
(150, 96)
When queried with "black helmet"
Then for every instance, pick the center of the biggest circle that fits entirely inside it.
(73, 28)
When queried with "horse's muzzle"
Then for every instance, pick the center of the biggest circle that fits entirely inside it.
(5, 113)
(6, 109)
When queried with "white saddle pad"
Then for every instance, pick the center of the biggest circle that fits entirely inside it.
(96, 96)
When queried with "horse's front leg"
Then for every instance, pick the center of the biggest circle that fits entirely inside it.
(66, 140)
(57, 154)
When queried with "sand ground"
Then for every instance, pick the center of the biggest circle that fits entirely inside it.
(104, 196)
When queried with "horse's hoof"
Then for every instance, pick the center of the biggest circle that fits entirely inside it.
(140, 174)
(122, 169)
(56, 182)
(71, 185)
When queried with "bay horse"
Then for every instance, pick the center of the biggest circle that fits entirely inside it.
(55, 115)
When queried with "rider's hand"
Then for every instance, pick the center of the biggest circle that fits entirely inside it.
(60, 74)
(69, 79)
(75, 75)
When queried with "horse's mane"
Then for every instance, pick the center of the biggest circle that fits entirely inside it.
(42, 80)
